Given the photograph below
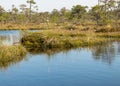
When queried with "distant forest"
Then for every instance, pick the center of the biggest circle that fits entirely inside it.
(105, 12)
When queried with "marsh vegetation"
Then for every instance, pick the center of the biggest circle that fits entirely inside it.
(104, 16)
(61, 29)
(11, 55)
(64, 28)
(66, 47)
(62, 38)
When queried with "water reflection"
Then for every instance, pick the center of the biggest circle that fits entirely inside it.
(9, 37)
(6, 62)
(117, 45)
(9, 40)
(50, 53)
(106, 53)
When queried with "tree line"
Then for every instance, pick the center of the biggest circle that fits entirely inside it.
(105, 12)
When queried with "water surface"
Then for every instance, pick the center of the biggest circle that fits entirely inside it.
(91, 66)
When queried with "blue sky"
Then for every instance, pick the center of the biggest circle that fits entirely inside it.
(49, 5)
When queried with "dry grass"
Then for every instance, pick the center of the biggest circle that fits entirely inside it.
(62, 38)
(11, 54)
(67, 25)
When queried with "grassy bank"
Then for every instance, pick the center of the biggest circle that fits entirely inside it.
(13, 26)
(11, 54)
(67, 25)
(62, 38)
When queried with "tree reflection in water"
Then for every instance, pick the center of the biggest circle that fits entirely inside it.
(9, 39)
(107, 52)
(49, 52)
(118, 48)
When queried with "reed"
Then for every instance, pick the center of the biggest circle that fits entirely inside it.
(11, 53)
(61, 38)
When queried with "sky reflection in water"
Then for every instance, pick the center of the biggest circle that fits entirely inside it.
(93, 66)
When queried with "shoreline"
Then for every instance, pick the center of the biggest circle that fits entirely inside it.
(50, 39)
